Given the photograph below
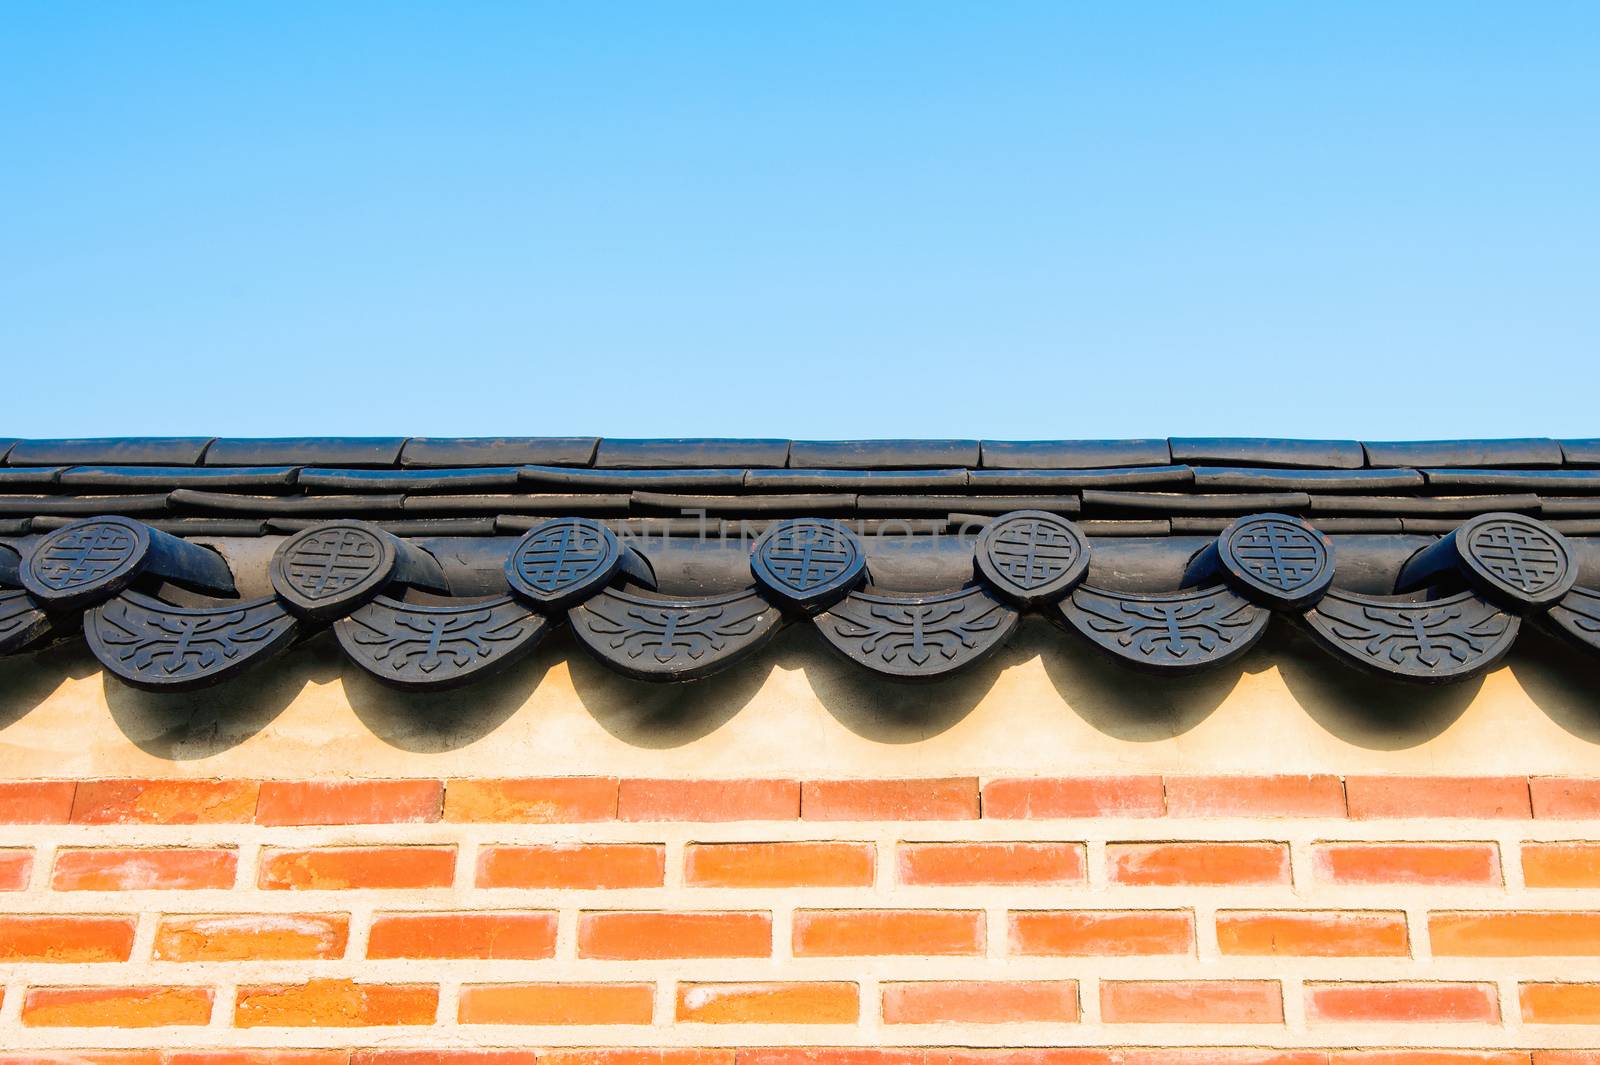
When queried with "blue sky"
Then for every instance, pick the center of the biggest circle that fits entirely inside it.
(812, 220)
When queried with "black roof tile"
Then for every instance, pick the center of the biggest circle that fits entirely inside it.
(882, 454)
(6, 444)
(1464, 505)
(666, 454)
(84, 506)
(1213, 503)
(523, 502)
(855, 480)
(1086, 478)
(1534, 451)
(426, 451)
(822, 503)
(630, 480)
(1581, 452)
(1062, 504)
(409, 480)
(1536, 480)
(177, 476)
(112, 451)
(306, 451)
(1239, 477)
(1255, 451)
(1073, 454)
(29, 476)
(329, 505)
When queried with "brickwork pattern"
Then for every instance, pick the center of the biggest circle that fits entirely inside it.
(1137, 920)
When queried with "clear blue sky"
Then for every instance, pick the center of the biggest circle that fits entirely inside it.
(1007, 219)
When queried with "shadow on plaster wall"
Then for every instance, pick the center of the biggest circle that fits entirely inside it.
(1360, 709)
(1560, 679)
(659, 716)
(431, 722)
(183, 726)
(28, 680)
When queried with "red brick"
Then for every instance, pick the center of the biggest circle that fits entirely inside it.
(16, 869)
(1557, 865)
(531, 800)
(769, 1003)
(1313, 933)
(335, 1004)
(852, 933)
(1515, 934)
(1560, 1003)
(1569, 798)
(1392, 1002)
(549, 1003)
(1191, 1002)
(708, 800)
(1102, 932)
(144, 868)
(480, 934)
(573, 865)
(946, 799)
(116, 1007)
(335, 868)
(164, 802)
(36, 802)
(767, 865)
(349, 802)
(1375, 797)
(253, 937)
(981, 1002)
(1198, 863)
(648, 934)
(991, 863)
(1476, 864)
(1058, 797)
(65, 938)
(1265, 796)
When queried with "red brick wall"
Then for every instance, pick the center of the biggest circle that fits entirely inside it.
(1136, 920)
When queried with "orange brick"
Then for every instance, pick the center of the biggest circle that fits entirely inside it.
(143, 868)
(1560, 1003)
(349, 802)
(819, 1003)
(1556, 865)
(1191, 1002)
(256, 1057)
(980, 1002)
(444, 1057)
(1102, 932)
(334, 868)
(1313, 933)
(532, 800)
(16, 869)
(1408, 863)
(1514, 934)
(36, 802)
(636, 1056)
(556, 1004)
(85, 1057)
(1428, 1057)
(1390, 1002)
(1198, 863)
(1055, 797)
(991, 863)
(646, 934)
(1565, 797)
(1268, 796)
(335, 1004)
(481, 934)
(779, 864)
(116, 1007)
(708, 800)
(252, 937)
(164, 802)
(947, 799)
(573, 865)
(1372, 797)
(1566, 1057)
(852, 933)
(839, 1056)
(65, 939)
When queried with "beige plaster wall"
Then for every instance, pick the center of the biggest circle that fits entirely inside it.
(1045, 705)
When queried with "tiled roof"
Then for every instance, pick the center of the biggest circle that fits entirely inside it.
(1469, 537)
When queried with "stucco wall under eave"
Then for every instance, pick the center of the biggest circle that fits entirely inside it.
(1045, 705)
